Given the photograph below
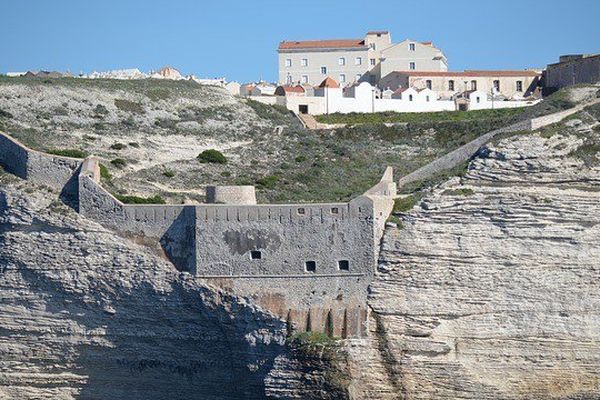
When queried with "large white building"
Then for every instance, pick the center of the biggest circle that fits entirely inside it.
(353, 60)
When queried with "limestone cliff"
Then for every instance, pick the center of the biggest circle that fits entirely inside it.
(490, 288)
(86, 314)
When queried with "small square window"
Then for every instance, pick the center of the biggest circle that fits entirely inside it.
(288, 62)
(343, 265)
(372, 61)
(342, 78)
(255, 254)
(358, 61)
(310, 266)
(335, 210)
(304, 78)
(301, 211)
(412, 65)
(342, 61)
(304, 62)
(324, 70)
(411, 47)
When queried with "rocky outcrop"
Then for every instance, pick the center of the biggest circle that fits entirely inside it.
(86, 314)
(490, 289)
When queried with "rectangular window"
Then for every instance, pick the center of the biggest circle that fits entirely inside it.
(301, 211)
(451, 85)
(372, 60)
(324, 70)
(410, 97)
(288, 62)
(304, 62)
(358, 61)
(428, 83)
(473, 85)
(412, 65)
(478, 99)
(310, 266)
(343, 265)
(358, 76)
(288, 79)
(497, 85)
(427, 98)
(255, 255)
(342, 61)
(342, 77)
(372, 46)
(304, 78)
(335, 210)
(411, 47)
(519, 86)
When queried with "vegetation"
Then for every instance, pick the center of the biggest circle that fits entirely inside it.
(118, 146)
(267, 182)
(119, 162)
(458, 192)
(212, 156)
(5, 114)
(168, 173)
(140, 200)
(104, 174)
(588, 152)
(73, 153)
(129, 106)
(416, 117)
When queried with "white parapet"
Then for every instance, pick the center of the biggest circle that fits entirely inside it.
(242, 195)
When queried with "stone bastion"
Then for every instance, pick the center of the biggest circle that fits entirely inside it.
(310, 264)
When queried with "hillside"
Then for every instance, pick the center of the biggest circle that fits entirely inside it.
(489, 287)
(149, 133)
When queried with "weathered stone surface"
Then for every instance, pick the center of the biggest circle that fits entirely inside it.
(86, 314)
(491, 289)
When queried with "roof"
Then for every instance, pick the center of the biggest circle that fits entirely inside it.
(284, 89)
(329, 83)
(471, 73)
(427, 43)
(321, 44)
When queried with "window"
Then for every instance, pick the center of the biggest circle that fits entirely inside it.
(497, 85)
(310, 266)
(478, 99)
(410, 98)
(342, 61)
(372, 46)
(428, 83)
(255, 255)
(288, 79)
(304, 62)
(412, 65)
(324, 70)
(426, 98)
(301, 211)
(358, 61)
(450, 85)
(372, 61)
(304, 78)
(473, 85)
(358, 76)
(335, 210)
(519, 86)
(342, 77)
(411, 47)
(343, 265)
(288, 62)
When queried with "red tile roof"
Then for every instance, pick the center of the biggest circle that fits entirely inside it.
(427, 43)
(471, 73)
(322, 44)
(329, 83)
(282, 90)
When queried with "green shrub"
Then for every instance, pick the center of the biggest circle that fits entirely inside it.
(458, 192)
(313, 339)
(129, 106)
(140, 200)
(119, 162)
(100, 110)
(134, 144)
(267, 182)
(118, 146)
(212, 156)
(156, 94)
(226, 174)
(168, 173)
(300, 158)
(5, 114)
(104, 174)
(404, 204)
(73, 153)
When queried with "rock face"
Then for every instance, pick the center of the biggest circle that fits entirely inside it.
(85, 314)
(491, 289)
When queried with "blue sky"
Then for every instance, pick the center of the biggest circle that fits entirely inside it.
(238, 39)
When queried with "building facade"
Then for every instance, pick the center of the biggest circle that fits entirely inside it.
(507, 84)
(353, 60)
(571, 70)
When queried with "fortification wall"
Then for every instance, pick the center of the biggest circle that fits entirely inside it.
(47, 169)
(382, 195)
(231, 194)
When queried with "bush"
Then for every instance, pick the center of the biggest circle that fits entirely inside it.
(119, 162)
(73, 153)
(168, 173)
(5, 114)
(458, 192)
(135, 144)
(129, 106)
(100, 110)
(300, 158)
(104, 174)
(140, 200)
(212, 156)
(118, 146)
(404, 204)
(267, 182)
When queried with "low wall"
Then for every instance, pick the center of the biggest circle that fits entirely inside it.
(382, 195)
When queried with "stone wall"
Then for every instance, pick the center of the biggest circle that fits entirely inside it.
(231, 194)
(573, 70)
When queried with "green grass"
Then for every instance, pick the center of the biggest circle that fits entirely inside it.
(458, 192)
(104, 174)
(129, 106)
(118, 146)
(168, 173)
(73, 153)
(212, 156)
(140, 200)
(414, 117)
(313, 339)
(588, 152)
(404, 204)
(267, 182)
(119, 162)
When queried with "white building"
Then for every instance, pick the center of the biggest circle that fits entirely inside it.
(354, 60)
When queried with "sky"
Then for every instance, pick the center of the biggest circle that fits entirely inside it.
(238, 39)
